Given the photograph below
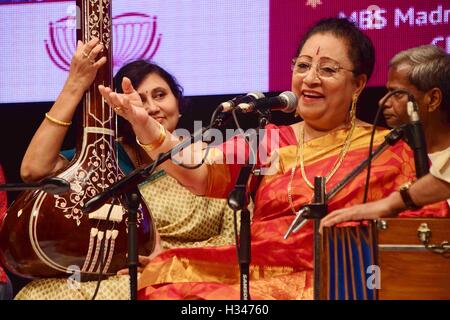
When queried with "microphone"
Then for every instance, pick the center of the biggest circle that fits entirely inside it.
(286, 102)
(231, 104)
(416, 138)
(413, 132)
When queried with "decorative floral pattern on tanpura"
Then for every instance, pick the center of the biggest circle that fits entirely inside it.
(103, 172)
(99, 21)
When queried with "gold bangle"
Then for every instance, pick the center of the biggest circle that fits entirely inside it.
(406, 197)
(56, 121)
(154, 145)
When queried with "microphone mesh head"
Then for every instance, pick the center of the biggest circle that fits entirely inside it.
(291, 100)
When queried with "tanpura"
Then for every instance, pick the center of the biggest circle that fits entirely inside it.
(46, 235)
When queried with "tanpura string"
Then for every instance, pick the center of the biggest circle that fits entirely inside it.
(102, 248)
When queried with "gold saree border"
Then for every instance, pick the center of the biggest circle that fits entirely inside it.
(190, 270)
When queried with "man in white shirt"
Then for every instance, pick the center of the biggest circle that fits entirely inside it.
(425, 72)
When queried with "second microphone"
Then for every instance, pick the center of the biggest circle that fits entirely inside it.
(286, 102)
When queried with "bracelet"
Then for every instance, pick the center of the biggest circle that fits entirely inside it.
(406, 197)
(56, 121)
(154, 145)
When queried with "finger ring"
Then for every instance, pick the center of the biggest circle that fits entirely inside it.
(85, 55)
(117, 108)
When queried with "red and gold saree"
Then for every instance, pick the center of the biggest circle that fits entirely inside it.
(280, 269)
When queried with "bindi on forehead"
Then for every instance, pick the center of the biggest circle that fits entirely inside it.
(318, 51)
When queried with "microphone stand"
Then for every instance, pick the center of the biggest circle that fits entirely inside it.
(127, 187)
(316, 211)
(412, 133)
(53, 185)
(319, 208)
(415, 138)
(131, 203)
(238, 200)
(303, 214)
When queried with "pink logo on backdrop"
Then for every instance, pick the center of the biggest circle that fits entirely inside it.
(134, 35)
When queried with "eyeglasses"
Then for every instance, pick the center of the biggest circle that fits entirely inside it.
(324, 69)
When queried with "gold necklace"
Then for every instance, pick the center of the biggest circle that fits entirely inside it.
(337, 164)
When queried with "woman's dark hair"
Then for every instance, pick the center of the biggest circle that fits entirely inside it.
(137, 71)
(360, 48)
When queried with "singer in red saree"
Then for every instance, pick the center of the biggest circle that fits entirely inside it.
(280, 269)
(331, 67)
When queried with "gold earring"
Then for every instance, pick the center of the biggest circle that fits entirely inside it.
(353, 108)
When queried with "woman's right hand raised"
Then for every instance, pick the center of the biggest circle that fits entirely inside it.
(84, 64)
(128, 104)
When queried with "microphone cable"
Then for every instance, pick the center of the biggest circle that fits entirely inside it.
(214, 116)
(189, 167)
